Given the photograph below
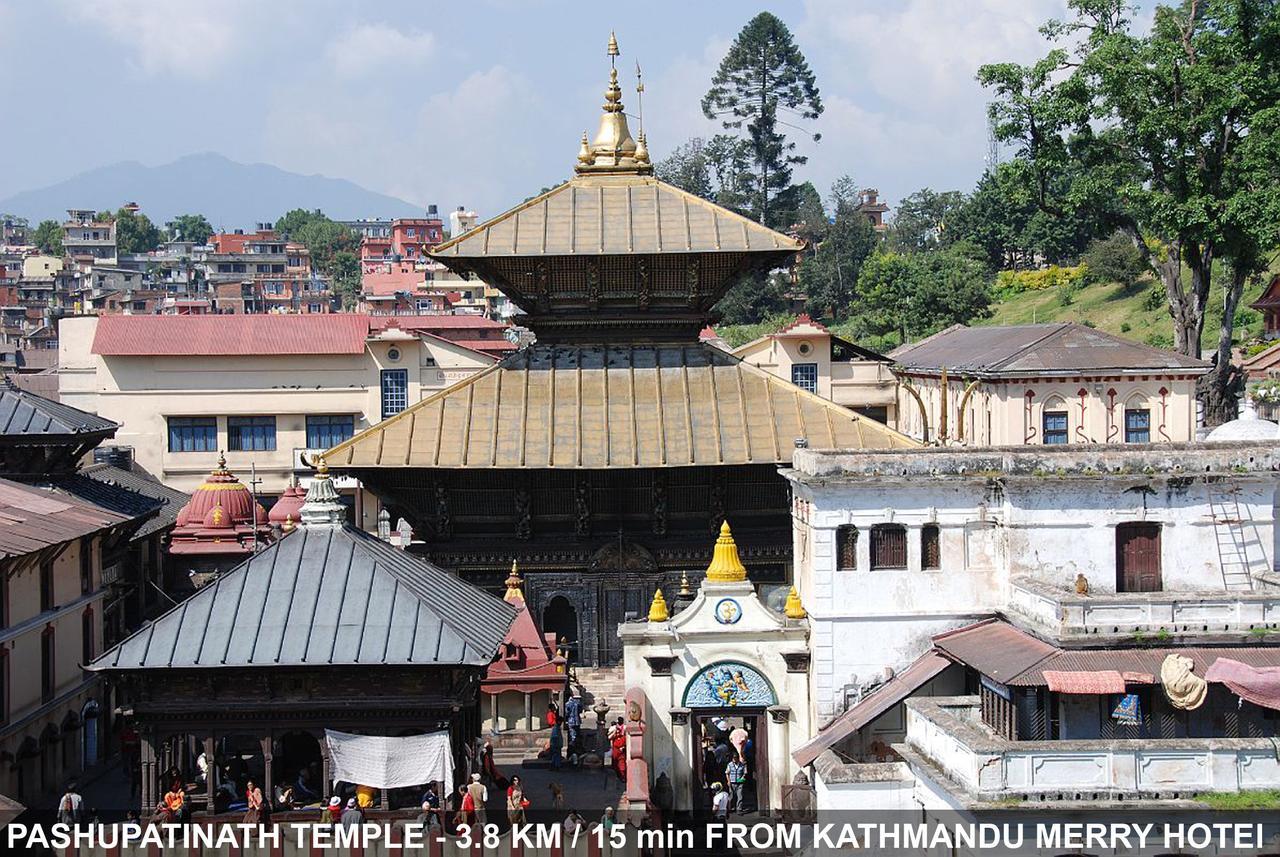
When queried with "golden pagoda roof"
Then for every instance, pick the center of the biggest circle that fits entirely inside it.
(591, 215)
(613, 407)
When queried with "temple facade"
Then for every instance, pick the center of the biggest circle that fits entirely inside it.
(604, 456)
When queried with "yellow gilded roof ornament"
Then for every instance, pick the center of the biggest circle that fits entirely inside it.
(288, 524)
(794, 609)
(614, 151)
(685, 590)
(513, 581)
(726, 566)
(613, 45)
(658, 608)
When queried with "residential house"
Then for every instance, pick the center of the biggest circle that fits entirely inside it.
(86, 237)
(1044, 384)
(264, 389)
(810, 356)
(1106, 558)
(1268, 303)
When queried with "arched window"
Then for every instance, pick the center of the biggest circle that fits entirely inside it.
(847, 548)
(930, 547)
(1137, 420)
(1053, 422)
(888, 546)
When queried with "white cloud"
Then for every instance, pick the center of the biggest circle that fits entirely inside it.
(368, 48)
(187, 38)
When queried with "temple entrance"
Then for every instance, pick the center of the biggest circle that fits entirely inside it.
(561, 618)
(717, 737)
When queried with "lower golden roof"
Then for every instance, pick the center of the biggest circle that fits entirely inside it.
(604, 407)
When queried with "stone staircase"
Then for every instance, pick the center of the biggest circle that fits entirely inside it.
(595, 684)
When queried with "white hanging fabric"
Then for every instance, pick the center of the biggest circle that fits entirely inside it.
(390, 763)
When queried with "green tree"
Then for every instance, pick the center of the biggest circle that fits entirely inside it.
(922, 219)
(829, 277)
(764, 74)
(917, 294)
(687, 168)
(334, 248)
(1114, 260)
(48, 237)
(190, 227)
(135, 233)
(756, 298)
(1157, 132)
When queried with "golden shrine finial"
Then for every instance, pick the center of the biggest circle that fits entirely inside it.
(322, 467)
(726, 566)
(685, 590)
(794, 609)
(222, 462)
(513, 581)
(613, 150)
(288, 525)
(658, 608)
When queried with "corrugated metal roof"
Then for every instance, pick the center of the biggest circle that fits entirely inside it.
(24, 414)
(994, 648)
(927, 666)
(610, 407)
(1035, 348)
(623, 215)
(32, 519)
(229, 335)
(322, 596)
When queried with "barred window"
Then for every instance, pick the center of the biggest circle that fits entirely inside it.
(930, 548)
(888, 546)
(847, 548)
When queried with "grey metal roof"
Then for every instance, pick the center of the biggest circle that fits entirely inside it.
(1038, 348)
(323, 596)
(171, 499)
(26, 415)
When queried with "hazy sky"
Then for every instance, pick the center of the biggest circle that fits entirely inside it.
(479, 103)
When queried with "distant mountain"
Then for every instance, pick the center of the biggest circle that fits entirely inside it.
(232, 195)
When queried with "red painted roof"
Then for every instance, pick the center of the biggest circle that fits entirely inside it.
(428, 322)
(229, 335)
(483, 344)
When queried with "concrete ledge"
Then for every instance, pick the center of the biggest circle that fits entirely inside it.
(832, 770)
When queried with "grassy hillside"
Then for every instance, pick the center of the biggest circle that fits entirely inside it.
(1121, 311)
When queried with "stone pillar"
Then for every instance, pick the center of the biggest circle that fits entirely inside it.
(681, 751)
(268, 780)
(147, 757)
(779, 754)
(528, 712)
(326, 770)
(210, 774)
(493, 713)
(914, 556)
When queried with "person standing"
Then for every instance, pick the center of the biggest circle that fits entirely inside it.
(556, 746)
(479, 797)
(516, 804)
(719, 802)
(352, 815)
(256, 812)
(573, 720)
(736, 775)
(71, 807)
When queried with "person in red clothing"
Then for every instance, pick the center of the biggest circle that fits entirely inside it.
(619, 747)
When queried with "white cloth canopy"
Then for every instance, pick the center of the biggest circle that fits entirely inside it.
(390, 763)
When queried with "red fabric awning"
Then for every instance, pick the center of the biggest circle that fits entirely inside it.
(1261, 686)
(1097, 683)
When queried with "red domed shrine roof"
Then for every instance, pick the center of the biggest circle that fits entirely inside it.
(527, 659)
(221, 517)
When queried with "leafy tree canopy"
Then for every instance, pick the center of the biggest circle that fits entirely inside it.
(48, 237)
(190, 227)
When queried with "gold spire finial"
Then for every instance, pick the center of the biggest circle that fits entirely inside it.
(322, 467)
(658, 608)
(288, 524)
(685, 590)
(614, 150)
(222, 460)
(794, 609)
(726, 566)
(513, 581)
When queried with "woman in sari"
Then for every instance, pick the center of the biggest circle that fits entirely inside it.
(619, 747)
(516, 803)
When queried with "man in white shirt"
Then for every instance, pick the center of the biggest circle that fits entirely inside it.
(719, 802)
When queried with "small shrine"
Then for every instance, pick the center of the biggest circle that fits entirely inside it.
(221, 524)
(527, 675)
(287, 511)
(723, 676)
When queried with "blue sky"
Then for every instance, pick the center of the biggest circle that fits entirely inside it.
(479, 103)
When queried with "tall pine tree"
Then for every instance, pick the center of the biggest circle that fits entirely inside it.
(764, 75)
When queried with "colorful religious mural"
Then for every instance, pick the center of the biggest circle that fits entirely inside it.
(729, 685)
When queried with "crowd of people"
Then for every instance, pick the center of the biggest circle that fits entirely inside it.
(727, 775)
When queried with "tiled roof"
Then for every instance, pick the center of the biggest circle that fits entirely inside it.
(25, 415)
(1024, 349)
(32, 518)
(594, 215)
(171, 500)
(620, 406)
(323, 596)
(434, 322)
(230, 335)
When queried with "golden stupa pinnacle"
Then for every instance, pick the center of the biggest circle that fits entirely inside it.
(614, 150)
(794, 609)
(726, 566)
(658, 607)
(513, 581)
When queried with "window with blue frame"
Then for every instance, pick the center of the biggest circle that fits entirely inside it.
(193, 434)
(251, 434)
(1055, 427)
(805, 376)
(1137, 425)
(395, 391)
(326, 430)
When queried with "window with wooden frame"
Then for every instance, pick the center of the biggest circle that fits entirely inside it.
(888, 546)
(930, 547)
(847, 548)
